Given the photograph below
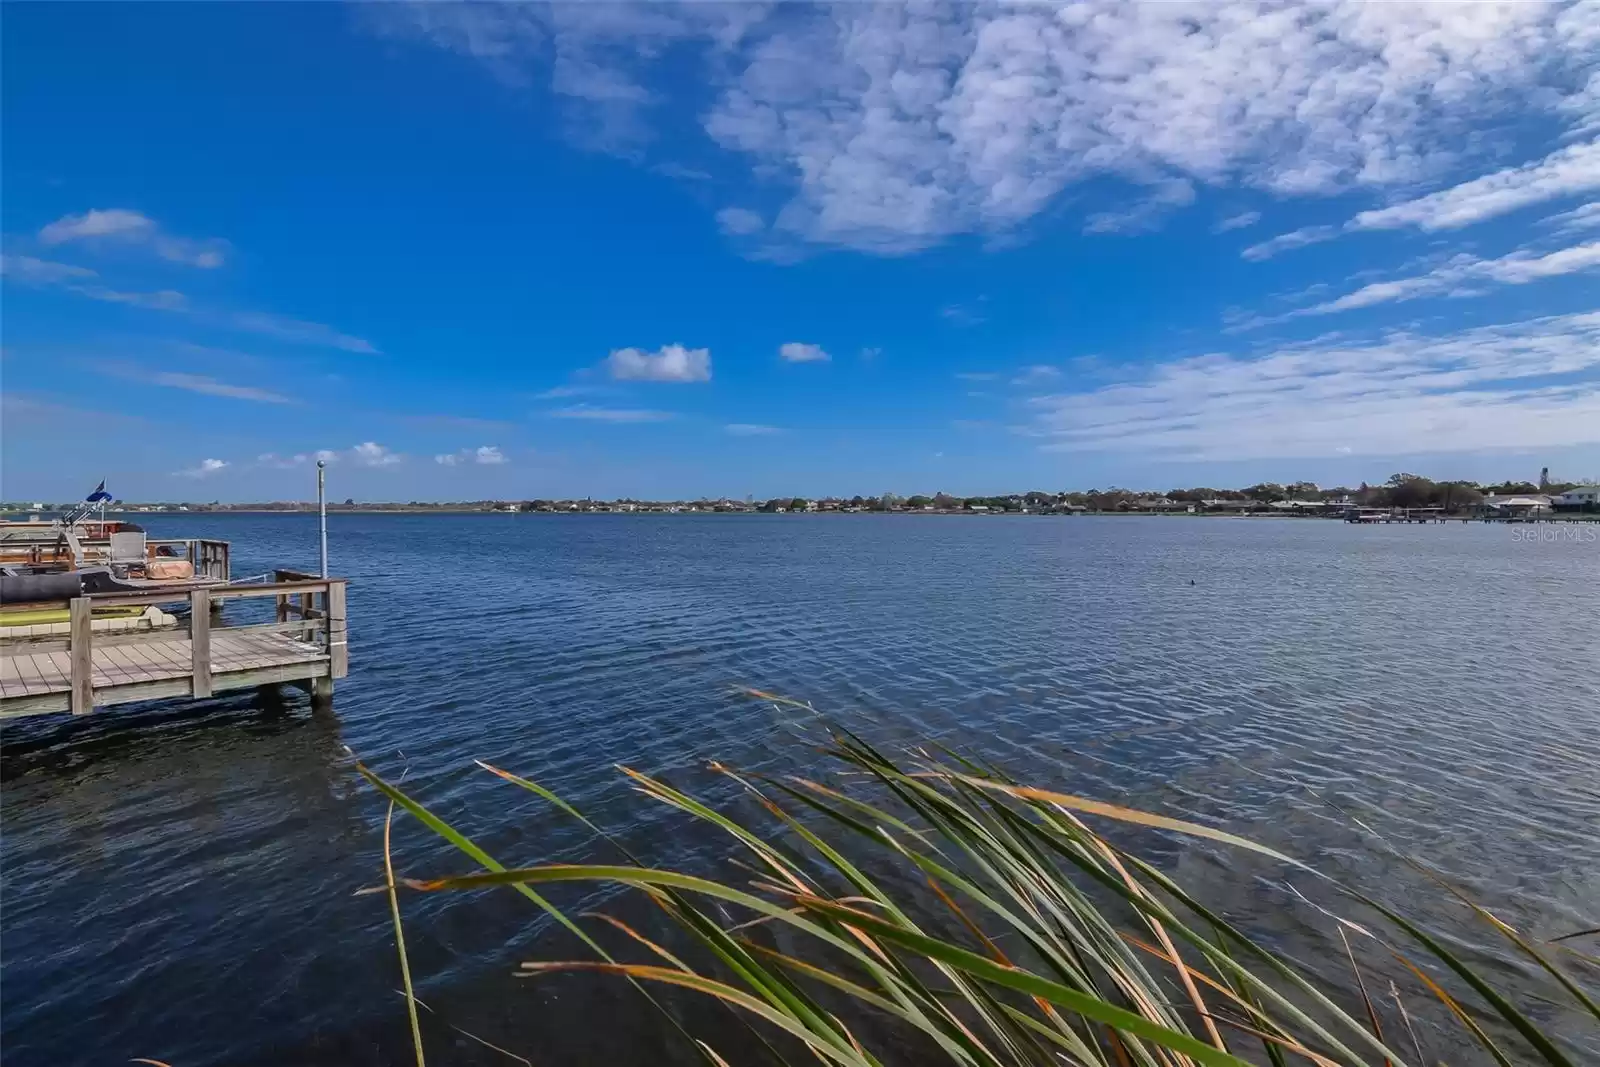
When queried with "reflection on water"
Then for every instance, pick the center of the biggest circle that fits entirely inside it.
(184, 882)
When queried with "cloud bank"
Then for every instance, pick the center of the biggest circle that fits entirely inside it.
(888, 128)
(1527, 384)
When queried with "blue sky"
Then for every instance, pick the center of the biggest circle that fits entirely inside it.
(471, 251)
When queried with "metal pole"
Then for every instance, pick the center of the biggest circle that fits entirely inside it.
(322, 510)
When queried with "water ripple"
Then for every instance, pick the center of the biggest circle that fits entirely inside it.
(181, 878)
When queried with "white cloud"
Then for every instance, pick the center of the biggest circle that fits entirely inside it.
(372, 454)
(800, 352)
(965, 314)
(193, 383)
(740, 222)
(28, 270)
(298, 331)
(1037, 374)
(299, 459)
(1146, 215)
(1532, 384)
(1566, 172)
(750, 429)
(31, 271)
(199, 383)
(486, 455)
(1456, 276)
(1585, 217)
(601, 414)
(1237, 222)
(672, 363)
(131, 227)
(164, 300)
(1306, 235)
(112, 222)
(896, 126)
(204, 469)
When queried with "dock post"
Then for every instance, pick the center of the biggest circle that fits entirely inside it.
(322, 511)
(321, 693)
(200, 640)
(81, 653)
(334, 620)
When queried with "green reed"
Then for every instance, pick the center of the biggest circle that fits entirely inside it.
(1068, 949)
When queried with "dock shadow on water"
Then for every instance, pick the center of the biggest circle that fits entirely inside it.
(157, 837)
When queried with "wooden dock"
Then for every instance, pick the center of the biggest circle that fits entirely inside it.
(84, 669)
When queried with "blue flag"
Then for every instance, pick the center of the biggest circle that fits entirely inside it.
(99, 493)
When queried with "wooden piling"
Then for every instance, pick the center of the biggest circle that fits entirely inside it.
(81, 653)
(200, 641)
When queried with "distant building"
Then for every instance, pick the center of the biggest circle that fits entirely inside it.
(1515, 506)
(1578, 498)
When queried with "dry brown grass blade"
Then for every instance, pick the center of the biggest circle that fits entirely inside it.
(1293, 1047)
(1405, 1017)
(425, 1006)
(637, 936)
(995, 951)
(712, 1054)
(1118, 812)
(151, 1063)
(656, 791)
(1182, 968)
(1288, 1044)
(1361, 985)
(1460, 1013)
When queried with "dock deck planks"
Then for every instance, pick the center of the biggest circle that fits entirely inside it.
(42, 681)
(36, 674)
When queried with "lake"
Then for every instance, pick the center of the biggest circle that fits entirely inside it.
(179, 880)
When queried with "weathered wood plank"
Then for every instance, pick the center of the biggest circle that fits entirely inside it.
(80, 618)
(32, 676)
(200, 641)
(118, 658)
(102, 639)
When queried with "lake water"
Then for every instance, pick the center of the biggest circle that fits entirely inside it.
(179, 880)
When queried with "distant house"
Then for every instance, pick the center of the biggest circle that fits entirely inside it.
(1578, 498)
(1514, 506)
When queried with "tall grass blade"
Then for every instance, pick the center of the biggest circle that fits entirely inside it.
(400, 937)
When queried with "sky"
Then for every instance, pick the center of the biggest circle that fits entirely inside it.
(465, 251)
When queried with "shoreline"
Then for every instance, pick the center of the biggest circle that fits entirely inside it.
(311, 510)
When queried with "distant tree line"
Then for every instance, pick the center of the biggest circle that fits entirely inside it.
(1401, 490)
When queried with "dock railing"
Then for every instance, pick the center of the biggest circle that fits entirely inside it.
(305, 643)
(210, 558)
